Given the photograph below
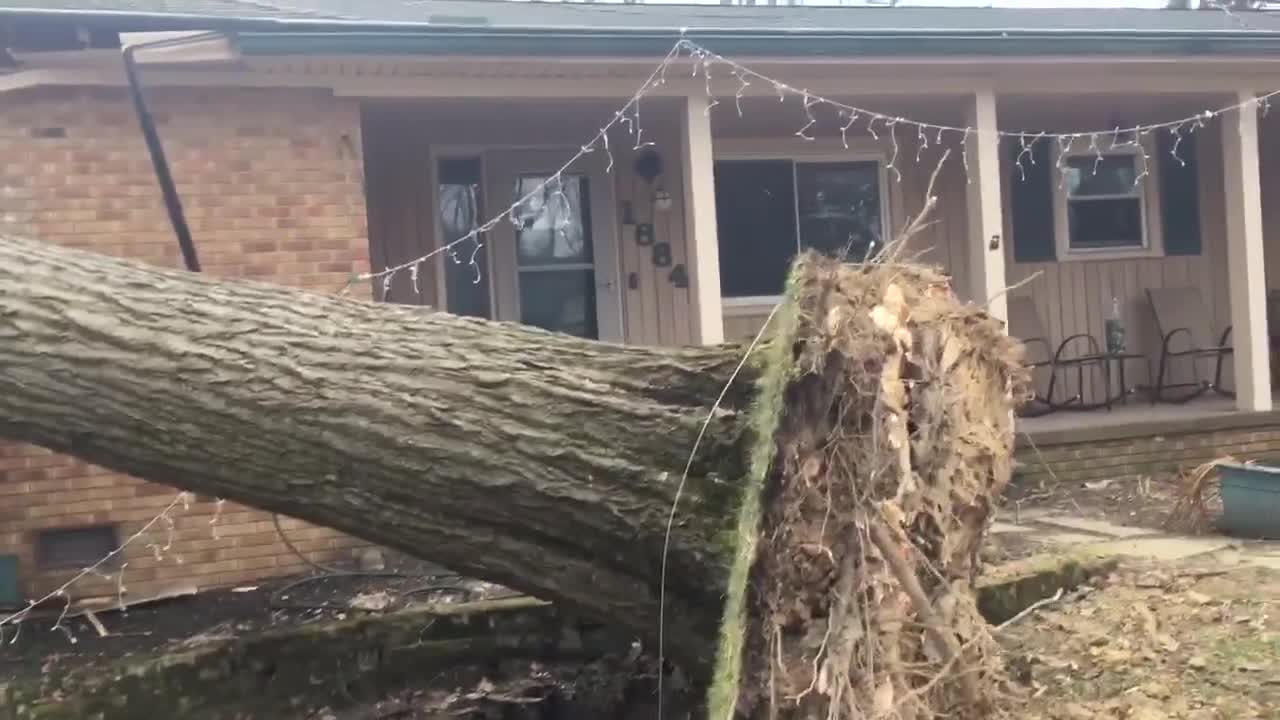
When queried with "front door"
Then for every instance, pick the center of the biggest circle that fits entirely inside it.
(556, 261)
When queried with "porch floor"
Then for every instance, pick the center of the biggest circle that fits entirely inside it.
(1141, 418)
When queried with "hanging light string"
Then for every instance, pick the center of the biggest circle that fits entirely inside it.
(745, 75)
(165, 516)
(627, 116)
(926, 134)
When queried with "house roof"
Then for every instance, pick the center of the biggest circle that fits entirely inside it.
(105, 9)
(612, 28)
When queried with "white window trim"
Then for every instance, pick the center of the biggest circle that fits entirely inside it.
(798, 151)
(1153, 235)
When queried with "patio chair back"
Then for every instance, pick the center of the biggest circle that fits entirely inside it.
(1182, 307)
(1024, 324)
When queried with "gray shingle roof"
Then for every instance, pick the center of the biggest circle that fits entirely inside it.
(560, 15)
(207, 8)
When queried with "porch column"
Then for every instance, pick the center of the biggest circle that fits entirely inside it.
(985, 207)
(700, 221)
(1245, 263)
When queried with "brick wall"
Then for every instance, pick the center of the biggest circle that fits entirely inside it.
(271, 183)
(1150, 449)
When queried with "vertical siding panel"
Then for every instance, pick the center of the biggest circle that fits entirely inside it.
(1136, 306)
(671, 224)
(1050, 299)
(643, 210)
(1081, 303)
(629, 255)
(955, 221)
(1213, 224)
(643, 298)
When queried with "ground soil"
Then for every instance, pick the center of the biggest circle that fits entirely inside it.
(1185, 641)
(1182, 641)
(1142, 501)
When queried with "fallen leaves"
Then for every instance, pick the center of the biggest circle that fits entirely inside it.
(1164, 644)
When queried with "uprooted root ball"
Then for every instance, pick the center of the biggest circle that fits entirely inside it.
(893, 442)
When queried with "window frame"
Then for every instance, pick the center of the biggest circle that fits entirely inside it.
(783, 149)
(43, 539)
(1148, 205)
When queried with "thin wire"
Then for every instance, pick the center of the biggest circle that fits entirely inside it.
(671, 519)
(703, 58)
(784, 88)
(17, 617)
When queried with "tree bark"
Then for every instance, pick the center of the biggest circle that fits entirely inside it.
(539, 461)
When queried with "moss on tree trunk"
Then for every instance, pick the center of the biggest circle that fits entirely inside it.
(837, 499)
(540, 461)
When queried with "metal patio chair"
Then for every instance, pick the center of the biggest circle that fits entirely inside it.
(1045, 359)
(1186, 333)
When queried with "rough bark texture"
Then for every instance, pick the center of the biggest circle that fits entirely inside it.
(535, 460)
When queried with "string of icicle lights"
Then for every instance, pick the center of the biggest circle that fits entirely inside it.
(853, 119)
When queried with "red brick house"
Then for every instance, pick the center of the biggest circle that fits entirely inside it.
(313, 139)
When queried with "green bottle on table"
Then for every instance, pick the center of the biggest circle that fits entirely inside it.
(1115, 329)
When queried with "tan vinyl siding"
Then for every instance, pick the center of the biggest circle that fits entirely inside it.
(1075, 296)
(655, 312)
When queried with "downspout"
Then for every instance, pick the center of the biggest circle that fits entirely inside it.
(172, 202)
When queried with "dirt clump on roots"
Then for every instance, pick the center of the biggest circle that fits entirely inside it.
(892, 446)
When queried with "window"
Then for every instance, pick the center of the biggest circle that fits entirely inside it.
(768, 210)
(1104, 204)
(467, 292)
(555, 260)
(75, 548)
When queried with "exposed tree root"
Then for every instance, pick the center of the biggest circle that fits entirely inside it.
(892, 441)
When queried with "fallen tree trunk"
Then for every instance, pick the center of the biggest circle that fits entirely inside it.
(535, 460)
(829, 522)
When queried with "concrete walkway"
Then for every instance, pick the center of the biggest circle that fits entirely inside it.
(1042, 531)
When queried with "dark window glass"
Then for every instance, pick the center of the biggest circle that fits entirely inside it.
(75, 547)
(1110, 223)
(839, 208)
(1104, 201)
(460, 212)
(560, 300)
(1101, 175)
(756, 223)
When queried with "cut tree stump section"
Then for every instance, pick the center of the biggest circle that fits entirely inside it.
(829, 523)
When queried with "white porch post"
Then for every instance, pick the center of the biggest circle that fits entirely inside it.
(700, 221)
(1247, 282)
(985, 206)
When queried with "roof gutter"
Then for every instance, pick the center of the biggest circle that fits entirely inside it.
(795, 43)
(312, 35)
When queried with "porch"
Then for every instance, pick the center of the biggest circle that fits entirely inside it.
(1138, 417)
(681, 233)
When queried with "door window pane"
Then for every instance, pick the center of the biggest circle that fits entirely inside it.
(553, 223)
(839, 208)
(554, 258)
(560, 300)
(466, 288)
(756, 224)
